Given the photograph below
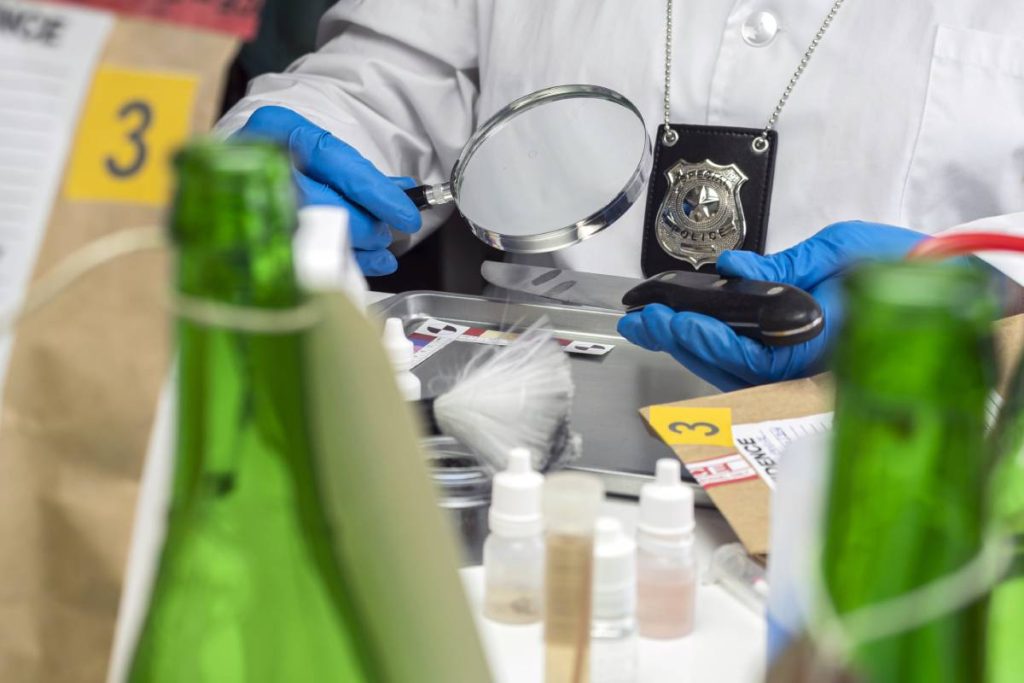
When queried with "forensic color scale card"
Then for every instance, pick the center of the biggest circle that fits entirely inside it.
(433, 335)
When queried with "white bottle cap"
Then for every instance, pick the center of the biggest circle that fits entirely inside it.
(666, 505)
(323, 259)
(399, 347)
(516, 498)
(614, 571)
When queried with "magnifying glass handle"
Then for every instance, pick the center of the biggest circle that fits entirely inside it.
(429, 196)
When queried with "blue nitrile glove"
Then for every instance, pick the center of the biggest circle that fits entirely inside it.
(328, 171)
(711, 349)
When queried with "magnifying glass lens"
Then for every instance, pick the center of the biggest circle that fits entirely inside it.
(550, 166)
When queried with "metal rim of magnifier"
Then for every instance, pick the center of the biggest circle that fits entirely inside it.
(559, 238)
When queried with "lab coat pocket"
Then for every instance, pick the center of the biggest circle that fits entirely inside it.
(968, 161)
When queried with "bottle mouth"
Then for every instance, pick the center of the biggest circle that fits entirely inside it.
(232, 195)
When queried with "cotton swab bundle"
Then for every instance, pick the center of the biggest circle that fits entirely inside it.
(517, 395)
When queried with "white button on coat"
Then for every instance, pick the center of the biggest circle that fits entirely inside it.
(760, 29)
(914, 118)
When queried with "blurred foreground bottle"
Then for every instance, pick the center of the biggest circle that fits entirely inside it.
(279, 563)
(1005, 662)
(248, 587)
(905, 500)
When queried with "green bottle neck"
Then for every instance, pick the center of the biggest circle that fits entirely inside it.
(233, 219)
(240, 394)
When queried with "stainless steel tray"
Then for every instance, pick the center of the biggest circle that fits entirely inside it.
(610, 389)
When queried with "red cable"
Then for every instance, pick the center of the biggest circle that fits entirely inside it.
(944, 246)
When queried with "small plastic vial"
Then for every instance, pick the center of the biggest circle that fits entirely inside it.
(665, 563)
(739, 574)
(400, 350)
(514, 550)
(613, 646)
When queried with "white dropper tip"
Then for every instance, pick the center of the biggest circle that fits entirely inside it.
(324, 260)
(607, 530)
(318, 248)
(516, 497)
(667, 472)
(519, 461)
(666, 504)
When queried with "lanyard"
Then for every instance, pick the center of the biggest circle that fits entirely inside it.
(760, 143)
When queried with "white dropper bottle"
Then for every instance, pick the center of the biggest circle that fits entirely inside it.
(614, 607)
(613, 646)
(666, 565)
(400, 350)
(514, 550)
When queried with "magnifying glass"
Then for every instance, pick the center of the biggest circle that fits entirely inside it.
(549, 170)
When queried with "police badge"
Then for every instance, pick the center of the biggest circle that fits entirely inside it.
(709, 192)
(695, 211)
(701, 216)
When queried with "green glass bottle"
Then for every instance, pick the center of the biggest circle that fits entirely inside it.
(249, 586)
(914, 368)
(1005, 662)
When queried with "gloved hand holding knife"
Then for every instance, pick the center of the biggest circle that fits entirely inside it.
(716, 353)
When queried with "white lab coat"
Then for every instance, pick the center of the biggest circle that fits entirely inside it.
(911, 112)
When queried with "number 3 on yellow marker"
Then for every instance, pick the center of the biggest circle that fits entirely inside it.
(682, 426)
(132, 123)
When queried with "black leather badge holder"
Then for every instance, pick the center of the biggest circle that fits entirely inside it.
(708, 192)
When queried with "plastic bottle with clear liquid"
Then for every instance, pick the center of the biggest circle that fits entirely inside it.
(666, 564)
(514, 550)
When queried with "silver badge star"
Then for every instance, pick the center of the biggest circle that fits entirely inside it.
(701, 203)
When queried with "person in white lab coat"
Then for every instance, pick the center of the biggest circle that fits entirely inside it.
(911, 113)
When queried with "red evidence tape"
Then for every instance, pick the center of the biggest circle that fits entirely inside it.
(727, 469)
(238, 17)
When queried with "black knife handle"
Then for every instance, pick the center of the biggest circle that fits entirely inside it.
(771, 313)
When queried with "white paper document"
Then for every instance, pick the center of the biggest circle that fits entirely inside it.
(47, 57)
(762, 443)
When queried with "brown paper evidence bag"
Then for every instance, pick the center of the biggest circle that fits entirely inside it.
(746, 504)
(80, 396)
